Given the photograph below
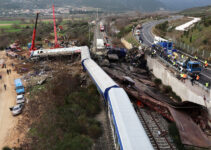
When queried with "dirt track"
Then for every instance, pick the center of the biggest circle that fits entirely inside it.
(7, 99)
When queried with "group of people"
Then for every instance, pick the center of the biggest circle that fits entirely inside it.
(183, 76)
(4, 65)
(9, 71)
(205, 64)
(153, 53)
(195, 78)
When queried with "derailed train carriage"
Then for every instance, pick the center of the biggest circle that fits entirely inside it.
(41, 53)
(127, 130)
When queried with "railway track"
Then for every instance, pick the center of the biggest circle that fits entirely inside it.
(157, 134)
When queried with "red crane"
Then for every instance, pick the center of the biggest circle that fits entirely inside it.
(56, 45)
(34, 35)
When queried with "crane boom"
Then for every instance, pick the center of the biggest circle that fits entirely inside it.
(56, 45)
(34, 34)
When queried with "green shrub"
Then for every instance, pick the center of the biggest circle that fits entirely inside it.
(70, 142)
(167, 89)
(163, 26)
(175, 96)
(157, 82)
(174, 133)
(125, 30)
(6, 148)
(190, 39)
(205, 41)
(95, 130)
(69, 120)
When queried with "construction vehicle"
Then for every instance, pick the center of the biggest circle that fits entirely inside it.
(192, 67)
(120, 52)
(56, 45)
(168, 52)
(102, 28)
(32, 48)
(167, 47)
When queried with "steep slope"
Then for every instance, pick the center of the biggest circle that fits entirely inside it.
(184, 4)
(197, 11)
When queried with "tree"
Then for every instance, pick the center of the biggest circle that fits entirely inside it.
(205, 41)
(6, 148)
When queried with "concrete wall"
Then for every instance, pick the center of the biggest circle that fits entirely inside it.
(185, 90)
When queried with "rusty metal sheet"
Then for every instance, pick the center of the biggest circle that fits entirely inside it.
(190, 133)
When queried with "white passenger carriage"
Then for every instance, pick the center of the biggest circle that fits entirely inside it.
(127, 130)
(55, 52)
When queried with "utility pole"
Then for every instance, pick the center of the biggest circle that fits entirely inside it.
(97, 14)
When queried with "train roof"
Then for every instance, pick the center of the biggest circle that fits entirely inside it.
(85, 53)
(61, 51)
(130, 129)
(98, 75)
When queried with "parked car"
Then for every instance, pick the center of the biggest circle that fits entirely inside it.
(20, 99)
(17, 109)
(19, 86)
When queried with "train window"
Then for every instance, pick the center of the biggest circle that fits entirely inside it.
(195, 66)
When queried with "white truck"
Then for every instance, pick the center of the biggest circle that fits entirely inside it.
(100, 44)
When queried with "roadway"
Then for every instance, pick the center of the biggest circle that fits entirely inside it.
(101, 35)
(147, 36)
(148, 39)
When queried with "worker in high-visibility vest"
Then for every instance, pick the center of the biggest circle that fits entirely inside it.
(174, 63)
(184, 77)
(205, 64)
(197, 77)
(207, 84)
(182, 56)
(153, 53)
(181, 76)
(196, 58)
